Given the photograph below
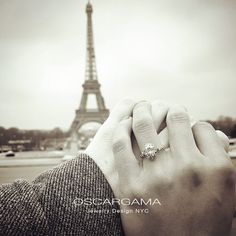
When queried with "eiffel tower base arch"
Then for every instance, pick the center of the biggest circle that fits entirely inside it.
(82, 117)
(86, 116)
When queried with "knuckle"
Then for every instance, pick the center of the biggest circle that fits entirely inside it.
(223, 137)
(165, 184)
(229, 181)
(142, 124)
(191, 176)
(178, 117)
(133, 188)
(227, 175)
(119, 144)
(203, 125)
(127, 189)
(223, 174)
(136, 190)
(228, 170)
(142, 105)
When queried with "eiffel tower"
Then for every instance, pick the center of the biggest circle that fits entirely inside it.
(91, 86)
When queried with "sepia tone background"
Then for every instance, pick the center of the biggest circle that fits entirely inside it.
(180, 51)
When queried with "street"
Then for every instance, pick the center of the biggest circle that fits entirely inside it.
(27, 165)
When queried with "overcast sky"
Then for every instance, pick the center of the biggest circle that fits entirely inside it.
(182, 51)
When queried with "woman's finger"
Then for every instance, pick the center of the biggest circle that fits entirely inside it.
(143, 126)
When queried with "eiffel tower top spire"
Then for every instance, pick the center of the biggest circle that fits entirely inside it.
(91, 70)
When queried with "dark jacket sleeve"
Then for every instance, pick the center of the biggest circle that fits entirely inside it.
(52, 205)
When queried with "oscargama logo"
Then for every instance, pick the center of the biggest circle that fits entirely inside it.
(112, 201)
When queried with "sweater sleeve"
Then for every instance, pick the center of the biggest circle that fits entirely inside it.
(58, 202)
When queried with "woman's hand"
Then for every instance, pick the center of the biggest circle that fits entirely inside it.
(100, 149)
(193, 179)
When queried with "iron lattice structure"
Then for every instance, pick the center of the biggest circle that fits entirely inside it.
(91, 85)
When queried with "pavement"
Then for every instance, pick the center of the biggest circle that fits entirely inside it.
(27, 165)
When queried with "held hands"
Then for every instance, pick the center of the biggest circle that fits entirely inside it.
(100, 149)
(193, 179)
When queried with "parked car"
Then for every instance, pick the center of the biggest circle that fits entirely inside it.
(10, 154)
(67, 157)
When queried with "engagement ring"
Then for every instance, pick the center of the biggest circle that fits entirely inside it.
(150, 152)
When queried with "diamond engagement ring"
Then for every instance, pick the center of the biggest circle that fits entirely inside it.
(150, 152)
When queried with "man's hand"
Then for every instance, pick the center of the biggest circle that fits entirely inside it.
(193, 179)
(100, 149)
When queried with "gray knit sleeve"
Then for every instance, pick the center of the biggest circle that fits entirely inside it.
(52, 203)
